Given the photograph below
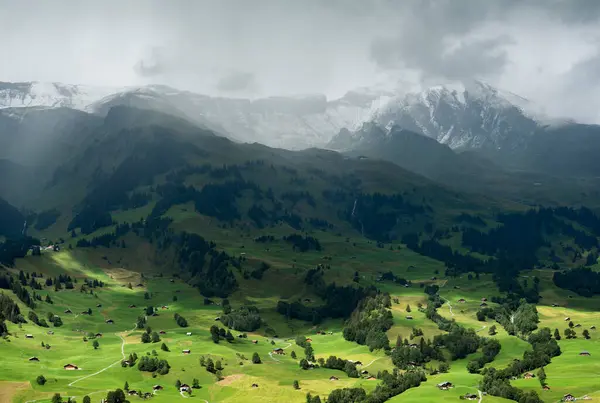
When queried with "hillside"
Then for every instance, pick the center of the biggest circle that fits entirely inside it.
(159, 225)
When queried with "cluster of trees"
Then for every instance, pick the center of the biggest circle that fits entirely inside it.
(582, 281)
(209, 268)
(107, 240)
(340, 301)
(8, 283)
(496, 382)
(375, 215)
(370, 321)
(181, 321)
(245, 318)
(130, 361)
(348, 367)
(45, 219)
(150, 337)
(217, 334)
(460, 342)
(9, 310)
(392, 385)
(32, 316)
(153, 364)
(14, 248)
(489, 350)
(90, 219)
(516, 316)
(407, 356)
(303, 243)
(211, 366)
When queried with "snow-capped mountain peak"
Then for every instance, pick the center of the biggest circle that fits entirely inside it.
(461, 115)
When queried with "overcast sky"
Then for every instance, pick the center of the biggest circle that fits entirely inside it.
(545, 50)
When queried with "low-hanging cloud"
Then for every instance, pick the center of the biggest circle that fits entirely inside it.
(541, 49)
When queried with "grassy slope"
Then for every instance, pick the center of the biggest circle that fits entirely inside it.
(121, 266)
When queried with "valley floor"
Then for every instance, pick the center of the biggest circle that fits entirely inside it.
(101, 370)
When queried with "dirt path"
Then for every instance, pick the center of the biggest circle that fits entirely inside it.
(365, 366)
(480, 396)
(450, 306)
(110, 366)
(275, 359)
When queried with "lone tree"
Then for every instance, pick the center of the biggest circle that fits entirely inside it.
(155, 337)
(41, 380)
(145, 338)
(96, 344)
(164, 347)
(408, 308)
(492, 330)
(210, 365)
(542, 376)
(296, 385)
(196, 384)
(86, 399)
(57, 398)
(293, 355)
(586, 334)
(126, 387)
(218, 365)
(256, 358)
(178, 384)
(557, 334)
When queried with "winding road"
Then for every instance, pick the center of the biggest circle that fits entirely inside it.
(111, 365)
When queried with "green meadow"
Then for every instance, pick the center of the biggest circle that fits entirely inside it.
(100, 369)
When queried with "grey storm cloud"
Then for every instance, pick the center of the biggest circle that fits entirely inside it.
(237, 81)
(536, 48)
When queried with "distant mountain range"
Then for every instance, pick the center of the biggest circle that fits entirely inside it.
(286, 122)
(471, 136)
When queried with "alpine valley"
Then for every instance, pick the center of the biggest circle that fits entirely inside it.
(382, 247)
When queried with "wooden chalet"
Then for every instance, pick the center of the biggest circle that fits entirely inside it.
(484, 299)
(545, 387)
(157, 387)
(445, 385)
(255, 385)
(162, 332)
(70, 367)
(462, 300)
(186, 351)
(132, 306)
(483, 304)
(279, 351)
(471, 396)
(98, 305)
(567, 319)
(132, 393)
(50, 332)
(184, 388)
(98, 335)
(29, 336)
(309, 340)
(529, 375)
(593, 327)
(585, 353)
(68, 311)
(409, 317)
(34, 359)
(334, 378)
(109, 321)
(568, 398)
(188, 334)
(254, 341)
